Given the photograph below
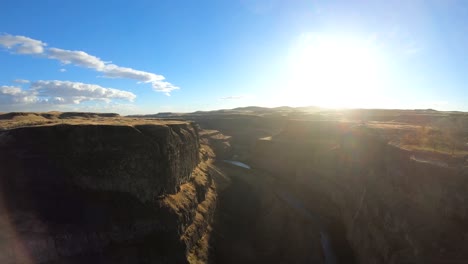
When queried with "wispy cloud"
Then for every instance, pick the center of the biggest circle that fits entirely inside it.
(21, 81)
(62, 70)
(75, 92)
(62, 93)
(157, 81)
(24, 45)
(232, 97)
(79, 58)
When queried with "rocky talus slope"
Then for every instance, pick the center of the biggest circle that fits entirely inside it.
(103, 189)
(392, 208)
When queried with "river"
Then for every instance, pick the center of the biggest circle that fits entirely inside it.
(237, 163)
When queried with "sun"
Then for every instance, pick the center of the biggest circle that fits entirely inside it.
(333, 72)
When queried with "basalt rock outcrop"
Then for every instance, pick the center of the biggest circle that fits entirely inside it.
(143, 160)
(392, 207)
(244, 130)
(219, 143)
(113, 190)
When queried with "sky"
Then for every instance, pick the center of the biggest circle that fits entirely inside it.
(143, 57)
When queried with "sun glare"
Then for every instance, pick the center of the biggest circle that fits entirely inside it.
(333, 72)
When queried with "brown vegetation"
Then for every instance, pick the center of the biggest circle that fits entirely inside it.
(445, 139)
(27, 119)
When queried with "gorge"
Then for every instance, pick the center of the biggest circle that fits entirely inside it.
(101, 188)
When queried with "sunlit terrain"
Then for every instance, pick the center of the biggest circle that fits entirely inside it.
(241, 131)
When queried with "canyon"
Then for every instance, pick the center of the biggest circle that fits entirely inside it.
(332, 187)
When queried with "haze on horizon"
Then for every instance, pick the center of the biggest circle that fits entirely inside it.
(156, 56)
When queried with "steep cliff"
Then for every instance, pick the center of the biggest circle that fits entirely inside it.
(244, 130)
(392, 207)
(107, 190)
(219, 143)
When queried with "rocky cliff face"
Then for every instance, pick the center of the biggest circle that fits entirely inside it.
(113, 190)
(144, 160)
(393, 208)
(244, 130)
(218, 142)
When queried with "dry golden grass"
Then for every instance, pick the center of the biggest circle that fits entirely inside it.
(392, 126)
(213, 134)
(202, 221)
(208, 132)
(181, 201)
(420, 138)
(434, 140)
(186, 202)
(54, 118)
(200, 253)
(439, 150)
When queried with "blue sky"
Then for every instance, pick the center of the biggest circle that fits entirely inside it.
(158, 56)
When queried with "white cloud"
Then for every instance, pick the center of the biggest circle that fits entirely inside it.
(21, 81)
(15, 95)
(79, 58)
(83, 59)
(66, 92)
(21, 44)
(164, 87)
(114, 71)
(60, 93)
(157, 81)
(26, 45)
(63, 70)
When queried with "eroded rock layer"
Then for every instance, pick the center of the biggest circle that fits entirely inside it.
(113, 190)
(394, 208)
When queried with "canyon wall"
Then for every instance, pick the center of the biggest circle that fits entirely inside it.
(118, 191)
(393, 208)
(244, 130)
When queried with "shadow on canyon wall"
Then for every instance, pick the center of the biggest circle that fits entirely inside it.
(100, 188)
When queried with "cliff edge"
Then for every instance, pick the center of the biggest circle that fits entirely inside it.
(101, 189)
